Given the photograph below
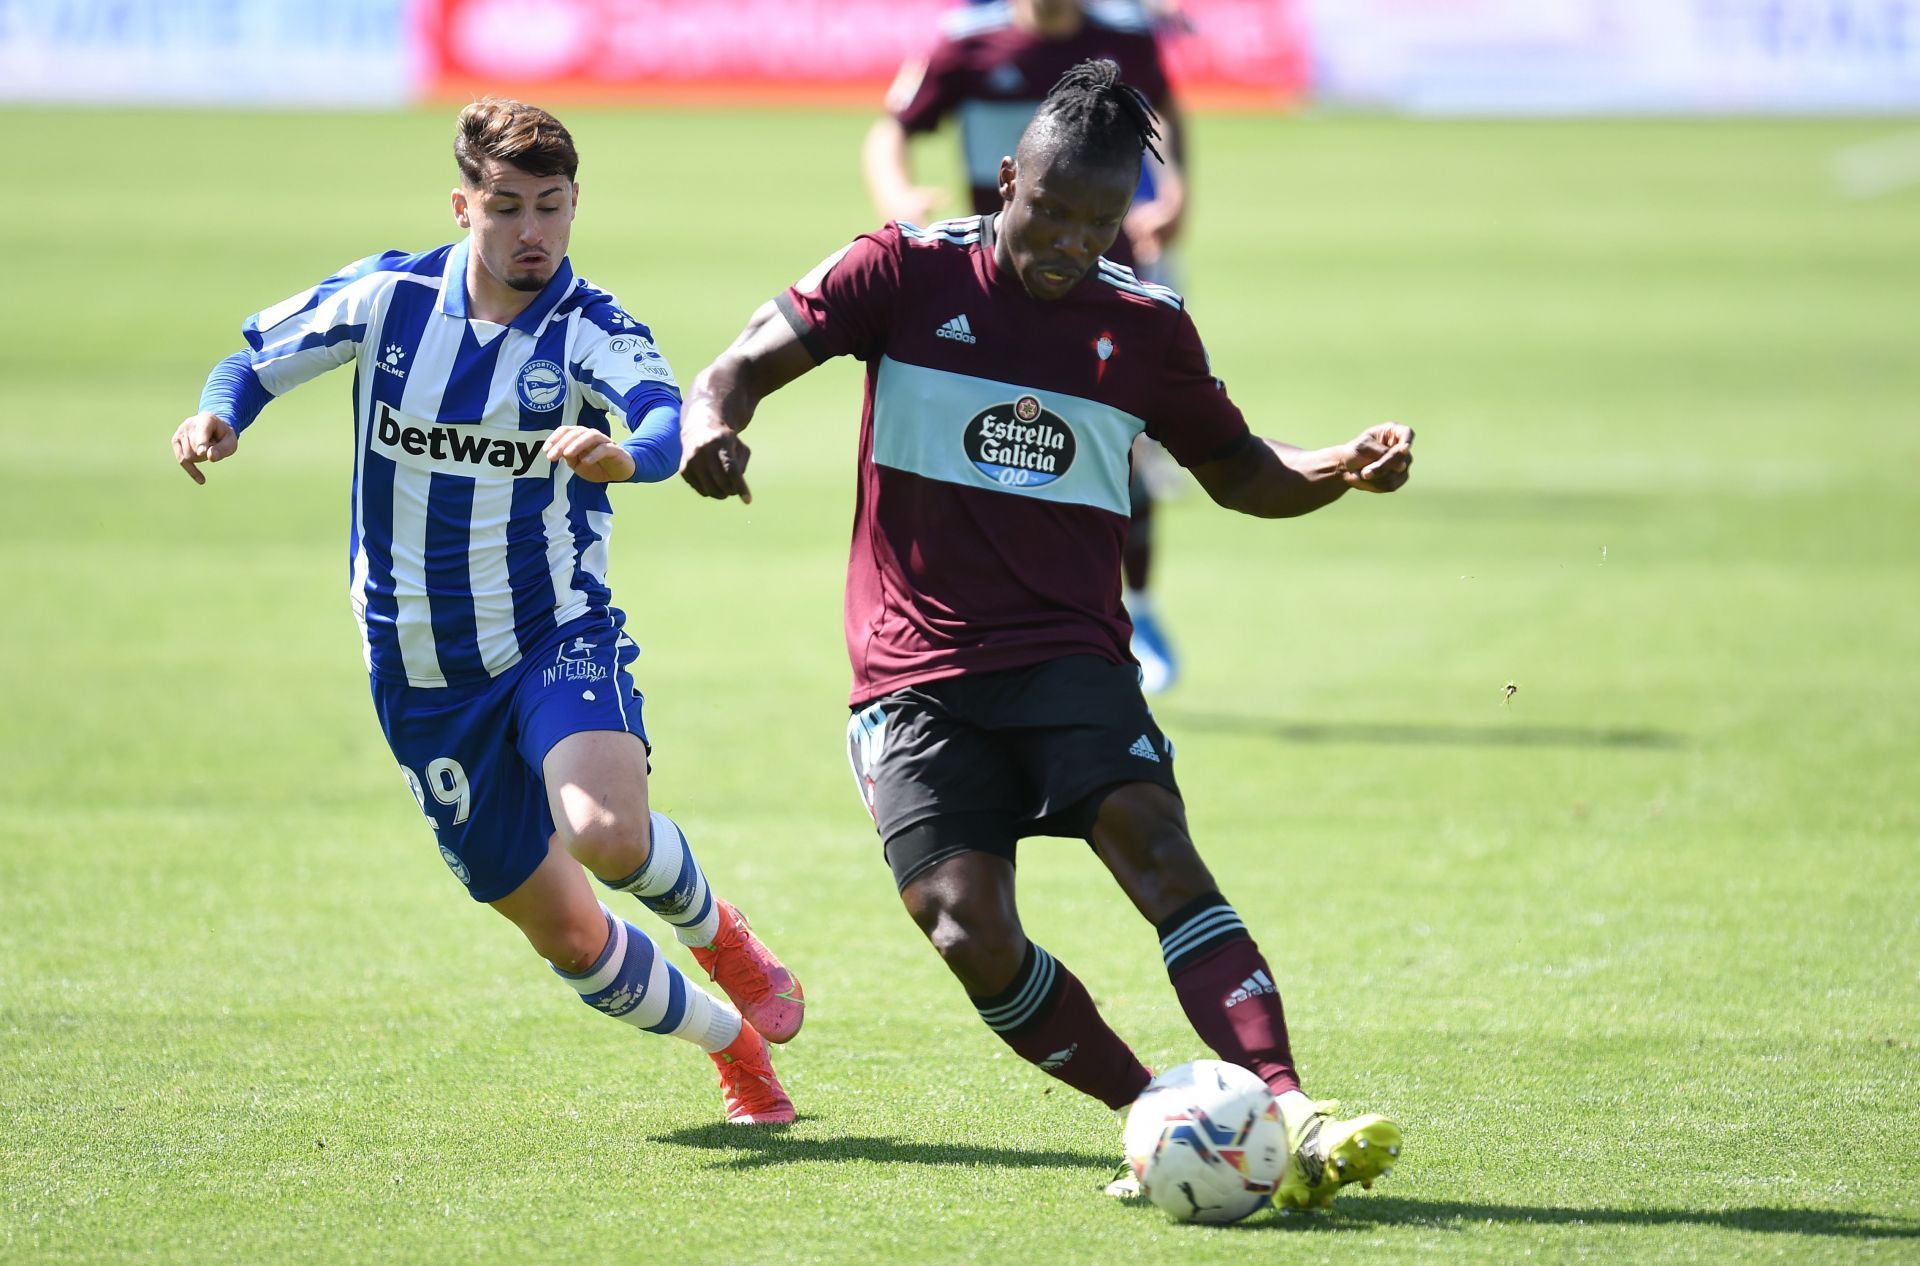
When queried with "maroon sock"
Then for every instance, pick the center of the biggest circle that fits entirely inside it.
(1226, 990)
(1046, 1016)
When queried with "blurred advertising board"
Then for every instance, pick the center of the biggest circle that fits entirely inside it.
(1239, 52)
(756, 51)
(216, 52)
(1626, 56)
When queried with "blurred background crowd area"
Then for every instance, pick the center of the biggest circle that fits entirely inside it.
(1482, 57)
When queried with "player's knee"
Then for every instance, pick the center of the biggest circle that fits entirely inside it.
(573, 947)
(1163, 889)
(980, 945)
(610, 844)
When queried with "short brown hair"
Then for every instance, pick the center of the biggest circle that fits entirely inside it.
(510, 131)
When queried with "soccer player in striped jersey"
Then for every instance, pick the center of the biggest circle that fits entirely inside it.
(989, 71)
(488, 385)
(1009, 368)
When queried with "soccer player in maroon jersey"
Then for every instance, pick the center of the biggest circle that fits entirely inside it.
(989, 71)
(1009, 368)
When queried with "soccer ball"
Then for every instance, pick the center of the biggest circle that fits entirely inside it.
(1206, 1142)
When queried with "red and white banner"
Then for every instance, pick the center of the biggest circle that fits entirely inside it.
(761, 51)
(1251, 53)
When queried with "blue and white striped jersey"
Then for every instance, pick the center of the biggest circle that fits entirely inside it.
(467, 544)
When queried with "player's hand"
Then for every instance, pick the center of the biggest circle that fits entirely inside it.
(713, 460)
(1381, 459)
(1150, 228)
(204, 437)
(590, 454)
(915, 204)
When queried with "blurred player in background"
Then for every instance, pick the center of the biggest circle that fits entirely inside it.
(1009, 368)
(990, 70)
(487, 379)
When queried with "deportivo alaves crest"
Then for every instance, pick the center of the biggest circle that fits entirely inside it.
(1020, 445)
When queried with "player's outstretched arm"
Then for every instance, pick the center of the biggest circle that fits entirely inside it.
(1271, 480)
(766, 357)
(230, 401)
(590, 454)
(1152, 226)
(204, 437)
(883, 162)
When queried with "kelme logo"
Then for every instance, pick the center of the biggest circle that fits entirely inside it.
(1020, 445)
(541, 386)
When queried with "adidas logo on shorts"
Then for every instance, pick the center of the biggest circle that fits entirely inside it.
(957, 329)
(1252, 987)
(1143, 748)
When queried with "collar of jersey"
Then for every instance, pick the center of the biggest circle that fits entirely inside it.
(453, 290)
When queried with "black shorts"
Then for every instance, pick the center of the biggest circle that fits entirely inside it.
(1027, 751)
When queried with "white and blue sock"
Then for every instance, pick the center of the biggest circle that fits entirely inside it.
(633, 981)
(673, 886)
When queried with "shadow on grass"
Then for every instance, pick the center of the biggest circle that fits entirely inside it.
(754, 1147)
(1373, 1213)
(1415, 735)
(760, 1146)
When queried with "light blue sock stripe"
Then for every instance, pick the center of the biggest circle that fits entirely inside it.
(1199, 921)
(1027, 1001)
(1201, 928)
(1187, 945)
(1023, 997)
(1045, 969)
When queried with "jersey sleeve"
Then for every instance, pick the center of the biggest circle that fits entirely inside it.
(622, 373)
(926, 92)
(845, 305)
(1192, 415)
(620, 369)
(317, 329)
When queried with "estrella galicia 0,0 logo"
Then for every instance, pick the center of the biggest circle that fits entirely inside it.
(1020, 445)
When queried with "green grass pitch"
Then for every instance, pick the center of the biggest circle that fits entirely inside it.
(1631, 957)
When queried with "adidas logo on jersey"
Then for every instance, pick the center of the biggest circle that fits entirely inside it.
(957, 329)
(1143, 748)
(1252, 987)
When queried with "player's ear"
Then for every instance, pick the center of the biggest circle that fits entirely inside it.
(1008, 178)
(460, 215)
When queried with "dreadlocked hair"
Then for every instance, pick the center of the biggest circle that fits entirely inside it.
(1093, 116)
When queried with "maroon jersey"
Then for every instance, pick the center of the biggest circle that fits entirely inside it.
(993, 76)
(994, 447)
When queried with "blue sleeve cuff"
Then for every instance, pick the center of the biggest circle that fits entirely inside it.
(655, 446)
(234, 392)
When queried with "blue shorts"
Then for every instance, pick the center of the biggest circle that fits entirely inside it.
(472, 754)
